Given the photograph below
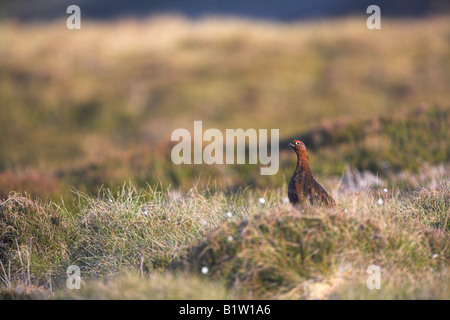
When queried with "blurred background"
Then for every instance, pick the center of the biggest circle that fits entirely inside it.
(283, 11)
(96, 106)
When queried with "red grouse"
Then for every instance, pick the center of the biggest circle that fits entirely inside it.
(303, 186)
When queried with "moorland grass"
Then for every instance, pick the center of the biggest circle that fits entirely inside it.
(98, 106)
(253, 250)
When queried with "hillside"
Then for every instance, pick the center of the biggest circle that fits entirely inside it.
(144, 244)
(100, 105)
(87, 179)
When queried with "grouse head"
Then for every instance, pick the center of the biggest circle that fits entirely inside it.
(298, 146)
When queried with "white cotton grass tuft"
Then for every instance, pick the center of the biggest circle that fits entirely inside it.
(385, 190)
(205, 270)
(262, 200)
(230, 238)
(229, 214)
(380, 202)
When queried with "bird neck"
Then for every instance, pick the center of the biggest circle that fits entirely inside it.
(303, 163)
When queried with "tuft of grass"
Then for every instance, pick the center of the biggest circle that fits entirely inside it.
(395, 285)
(432, 207)
(34, 238)
(146, 227)
(24, 291)
(279, 254)
(115, 229)
(130, 285)
(250, 248)
(282, 253)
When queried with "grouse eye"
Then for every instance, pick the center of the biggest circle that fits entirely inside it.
(297, 143)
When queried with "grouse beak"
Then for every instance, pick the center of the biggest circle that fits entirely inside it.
(291, 144)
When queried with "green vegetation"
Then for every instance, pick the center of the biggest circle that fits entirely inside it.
(157, 286)
(85, 126)
(386, 144)
(251, 250)
(98, 106)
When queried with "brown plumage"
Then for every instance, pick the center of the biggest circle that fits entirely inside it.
(303, 186)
